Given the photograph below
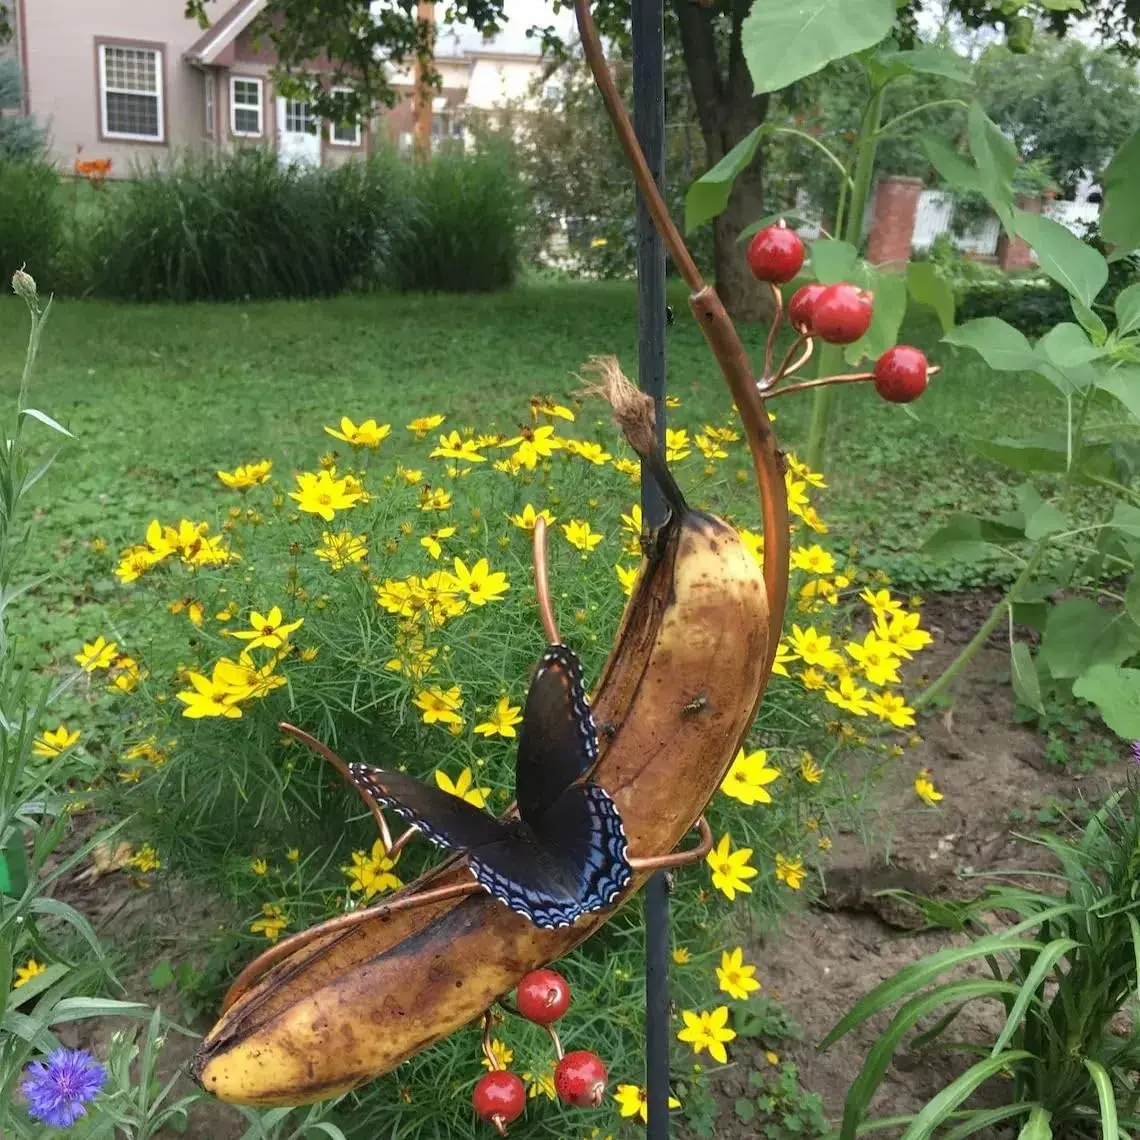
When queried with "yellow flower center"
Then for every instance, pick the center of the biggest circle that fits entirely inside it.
(324, 498)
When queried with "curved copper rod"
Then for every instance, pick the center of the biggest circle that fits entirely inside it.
(844, 378)
(773, 329)
(677, 858)
(803, 358)
(542, 583)
(485, 1045)
(769, 382)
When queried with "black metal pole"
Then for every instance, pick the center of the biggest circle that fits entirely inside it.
(649, 122)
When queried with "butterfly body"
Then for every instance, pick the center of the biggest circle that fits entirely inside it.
(566, 855)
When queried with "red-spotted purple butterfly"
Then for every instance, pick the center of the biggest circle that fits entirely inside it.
(566, 855)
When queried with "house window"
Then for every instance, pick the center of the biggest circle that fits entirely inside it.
(130, 92)
(344, 133)
(208, 100)
(245, 107)
(298, 118)
(552, 93)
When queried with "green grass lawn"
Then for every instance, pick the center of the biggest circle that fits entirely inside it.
(159, 397)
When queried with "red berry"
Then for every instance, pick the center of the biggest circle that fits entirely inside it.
(776, 254)
(581, 1079)
(900, 374)
(802, 305)
(543, 996)
(499, 1097)
(842, 313)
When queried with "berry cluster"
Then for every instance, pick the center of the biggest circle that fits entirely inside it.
(543, 996)
(838, 314)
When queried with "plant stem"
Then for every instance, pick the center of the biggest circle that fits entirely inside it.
(851, 227)
(889, 126)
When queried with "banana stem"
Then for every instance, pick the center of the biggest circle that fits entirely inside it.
(542, 583)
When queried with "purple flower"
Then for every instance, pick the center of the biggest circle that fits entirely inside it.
(1136, 751)
(58, 1089)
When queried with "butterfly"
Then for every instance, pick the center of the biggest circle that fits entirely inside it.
(566, 855)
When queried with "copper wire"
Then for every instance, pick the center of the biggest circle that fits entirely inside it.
(542, 583)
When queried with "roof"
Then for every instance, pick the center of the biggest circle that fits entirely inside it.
(208, 46)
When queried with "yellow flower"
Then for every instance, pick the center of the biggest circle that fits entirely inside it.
(746, 779)
(707, 1030)
(98, 546)
(454, 446)
(54, 742)
(634, 1101)
(591, 452)
(802, 471)
(410, 475)
(195, 611)
(672, 401)
(681, 956)
(463, 787)
(627, 576)
(811, 772)
(229, 613)
(633, 524)
(882, 603)
(259, 867)
(431, 542)
(342, 549)
(579, 534)
(97, 654)
(824, 843)
(247, 475)
(722, 434)
(271, 922)
(415, 661)
(322, 494)
(814, 648)
(850, 696)
(529, 515)
(479, 583)
(421, 425)
(372, 873)
(813, 559)
(891, 707)
(813, 679)
(502, 1053)
(629, 467)
(790, 871)
(925, 790)
(145, 859)
(541, 1084)
(902, 633)
(548, 408)
(735, 977)
(676, 445)
(293, 855)
(755, 544)
(783, 656)
(502, 721)
(126, 675)
(709, 447)
(366, 434)
(269, 630)
(437, 500)
(533, 444)
(771, 1057)
(217, 695)
(440, 707)
(874, 657)
(731, 869)
(29, 970)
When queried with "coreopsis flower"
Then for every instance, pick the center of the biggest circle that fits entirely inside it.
(633, 1101)
(735, 976)
(632, 524)
(371, 872)
(802, 471)
(579, 534)
(902, 633)
(721, 434)
(271, 922)
(480, 584)
(783, 656)
(502, 720)
(591, 452)
(532, 445)
(145, 859)
(707, 1030)
(97, 654)
(709, 448)
(438, 706)
(410, 475)
(731, 870)
(54, 742)
(216, 695)
(813, 679)
(875, 659)
(814, 648)
(629, 467)
(547, 407)
(293, 855)
(627, 576)
(746, 779)
(814, 559)
(849, 696)
(59, 1089)
(342, 549)
(676, 445)
(454, 446)
(541, 1084)
(29, 970)
(528, 517)
(421, 425)
(366, 434)
(435, 500)
(925, 789)
(463, 786)
(681, 956)
(247, 475)
(126, 675)
(501, 1052)
(432, 542)
(194, 609)
(259, 867)
(755, 544)
(322, 494)
(881, 603)
(270, 630)
(810, 771)
(790, 871)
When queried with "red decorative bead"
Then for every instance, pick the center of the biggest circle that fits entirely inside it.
(900, 374)
(580, 1079)
(802, 305)
(842, 313)
(776, 254)
(499, 1098)
(543, 996)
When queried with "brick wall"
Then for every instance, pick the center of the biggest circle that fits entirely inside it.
(892, 222)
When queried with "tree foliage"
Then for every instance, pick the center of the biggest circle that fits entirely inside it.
(20, 137)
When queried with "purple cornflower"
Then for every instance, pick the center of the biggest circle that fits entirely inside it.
(58, 1089)
(1136, 751)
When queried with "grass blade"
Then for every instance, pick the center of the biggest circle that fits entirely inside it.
(938, 1108)
(985, 1119)
(1046, 960)
(1037, 1127)
(1107, 1098)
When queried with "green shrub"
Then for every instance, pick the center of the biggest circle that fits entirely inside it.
(32, 220)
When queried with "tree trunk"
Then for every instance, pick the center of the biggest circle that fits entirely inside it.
(727, 111)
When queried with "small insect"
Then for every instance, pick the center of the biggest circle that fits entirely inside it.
(695, 706)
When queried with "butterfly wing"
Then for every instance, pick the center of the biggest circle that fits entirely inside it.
(558, 740)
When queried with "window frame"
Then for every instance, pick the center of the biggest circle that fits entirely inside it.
(103, 90)
(209, 104)
(259, 83)
(358, 127)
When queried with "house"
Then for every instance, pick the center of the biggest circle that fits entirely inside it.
(135, 80)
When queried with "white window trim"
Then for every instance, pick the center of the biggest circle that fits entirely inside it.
(246, 107)
(209, 104)
(333, 140)
(160, 76)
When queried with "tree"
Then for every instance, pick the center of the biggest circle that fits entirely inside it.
(20, 138)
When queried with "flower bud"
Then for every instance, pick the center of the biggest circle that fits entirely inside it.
(24, 285)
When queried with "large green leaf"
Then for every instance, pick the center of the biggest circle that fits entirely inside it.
(1126, 518)
(1072, 263)
(1116, 692)
(1120, 214)
(1106, 1096)
(939, 1108)
(1037, 1126)
(1041, 518)
(1067, 347)
(1123, 383)
(708, 196)
(785, 40)
(1047, 452)
(886, 319)
(1127, 306)
(1080, 634)
(929, 61)
(832, 260)
(928, 288)
(956, 169)
(1026, 684)
(1000, 345)
(1045, 961)
(968, 538)
(996, 160)
(1132, 598)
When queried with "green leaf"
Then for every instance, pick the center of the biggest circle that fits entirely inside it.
(928, 288)
(1123, 383)
(1073, 264)
(1067, 346)
(1046, 452)
(1026, 684)
(328, 1129)
(1107, 1097)
(1127, 306)
(78, 1008)
(996, 160)
(1044, 962)
(1000, 345)
(1132, 604)
(832, 260)
(1116, 692)
(46, 420)
(708, 196)
(886, 318)
(929, 61)
(968, 538)
(161, 976)
(1126, 518)
(938, 1109)
(1080, 634)
(795, 221)
(1120, 214)
(786, 40)
(1089, 321)
(956, 170)
(745, 1109)
(1037, 1126)
(1041, 518)
(984, 1118)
